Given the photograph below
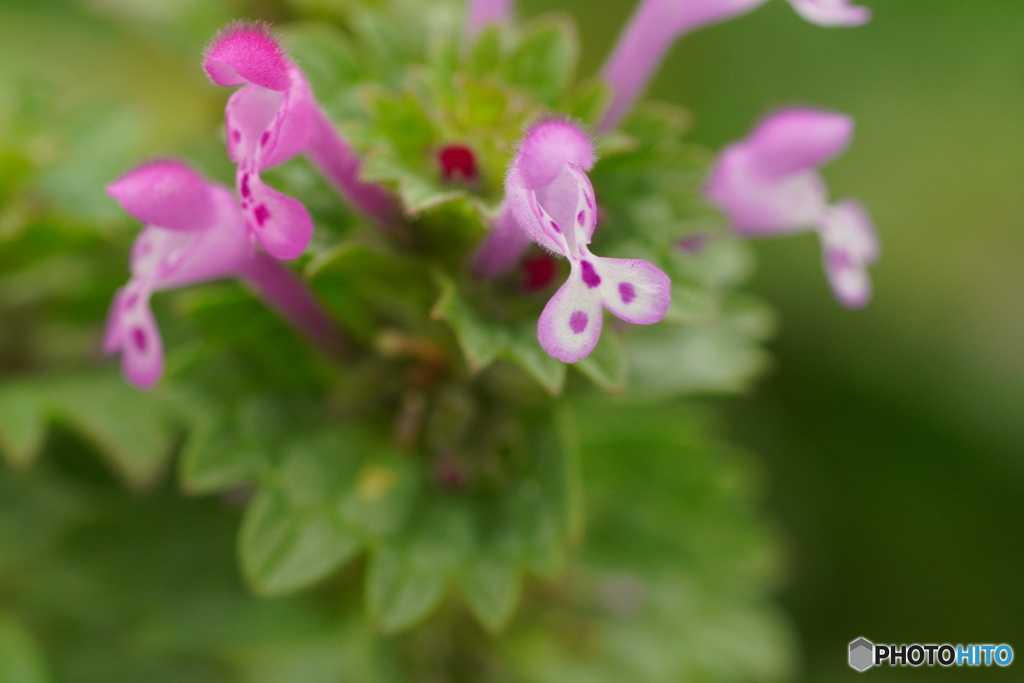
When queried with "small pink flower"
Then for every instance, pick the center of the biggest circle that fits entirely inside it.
(272, 119)
(769, 184)
(482, 13)
(550, 196)
(658, 23)
(195, 232)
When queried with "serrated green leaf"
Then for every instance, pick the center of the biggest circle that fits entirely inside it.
(606, 365)
(133, 431)
(398, 595)
(544, 62)
(483, 341)
(21, 657)
(492, 586)
(485, 56)
(283, 548)
(231, 445)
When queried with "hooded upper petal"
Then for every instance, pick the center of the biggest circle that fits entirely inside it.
(167, 194)
(769, 183)
(247, 52)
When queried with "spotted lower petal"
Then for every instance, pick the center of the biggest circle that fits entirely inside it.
(132, 330)
(280, 223)
(849, 245)
(570, 325)
(633, 289)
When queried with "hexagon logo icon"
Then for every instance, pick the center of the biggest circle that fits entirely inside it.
(862, 654)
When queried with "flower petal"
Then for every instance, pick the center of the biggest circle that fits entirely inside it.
(795, 140)
(503, 247)
(849, 245)
(570, 325)
(266, 128)
(168, 194)
(633, 289)
(246, 52)
(757, 205)
(132, 330)
(831, 12)
(547, 147)
(280, 223)
(531, 217)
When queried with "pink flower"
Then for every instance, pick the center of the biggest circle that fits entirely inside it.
(769, 184)
(549, 194)
(195, 232)
(272, 119)
(658, 23)
(485, 12)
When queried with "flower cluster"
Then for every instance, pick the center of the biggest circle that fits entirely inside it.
(198, 231)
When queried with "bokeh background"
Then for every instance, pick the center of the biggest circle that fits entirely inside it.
(892, 438)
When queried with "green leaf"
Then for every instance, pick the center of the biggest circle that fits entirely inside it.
(283, 548)
(485, 56)
(233, 444)
(545, 60)
(409, 572)
(134, 431)
(483, 342)
(492, 586)
(333, 493)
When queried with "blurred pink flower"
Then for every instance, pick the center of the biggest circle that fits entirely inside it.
(769, 184)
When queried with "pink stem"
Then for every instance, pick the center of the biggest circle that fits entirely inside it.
(501, 250)
(339, 163)
(654, 27)
(284, 292)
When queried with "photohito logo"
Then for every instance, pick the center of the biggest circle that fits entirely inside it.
(864, 654)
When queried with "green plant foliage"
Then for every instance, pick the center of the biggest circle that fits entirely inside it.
(415, 502)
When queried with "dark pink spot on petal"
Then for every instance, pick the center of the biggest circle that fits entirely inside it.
(554, 225)
(578, 322)
(590, 202)
(245, 186)
(262, 214)
(581, 218)
(590, 277)
(627, 292)
(264, 138)
(139, 339)
(130, 300)
(236, 135)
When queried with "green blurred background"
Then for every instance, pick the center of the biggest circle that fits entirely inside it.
(892, 438)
